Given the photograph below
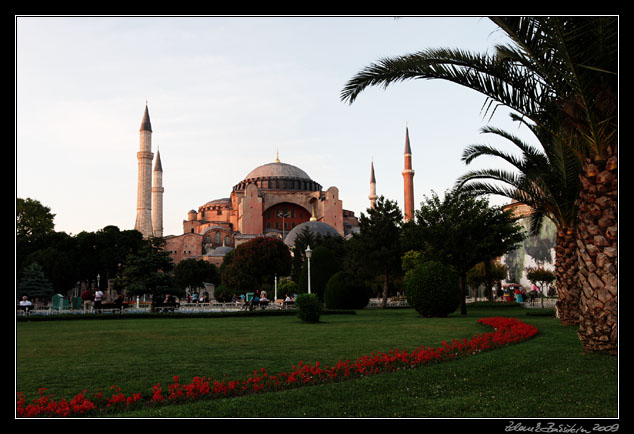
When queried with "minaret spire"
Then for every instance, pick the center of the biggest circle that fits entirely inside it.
(144, 181)
(372, 195)
(408, 180)
(157, 197)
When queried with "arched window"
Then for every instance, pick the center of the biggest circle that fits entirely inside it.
(217, 237)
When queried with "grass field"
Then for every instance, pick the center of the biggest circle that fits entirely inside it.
(546, 377)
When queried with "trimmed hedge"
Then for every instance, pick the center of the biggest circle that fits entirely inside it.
(344, 291)
(308, 307)
(432, 289)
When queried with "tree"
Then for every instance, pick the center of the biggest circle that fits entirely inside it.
(193, 273)
(561, 73)
(376, 249)
(540, 276)
(33, 219)
(255, 263)
(477, 276)
(461, 230)
(148, 271)
(34, 284)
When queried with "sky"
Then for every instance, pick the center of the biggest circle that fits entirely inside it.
(225, 94)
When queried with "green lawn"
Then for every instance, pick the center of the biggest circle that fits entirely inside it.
(547, 376)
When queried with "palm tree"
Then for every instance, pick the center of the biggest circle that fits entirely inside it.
(561, 74)
(547, 180)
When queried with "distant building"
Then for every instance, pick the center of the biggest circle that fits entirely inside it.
(536, 250)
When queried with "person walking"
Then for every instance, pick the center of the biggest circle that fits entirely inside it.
(98, 299)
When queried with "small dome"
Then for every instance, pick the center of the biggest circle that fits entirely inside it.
(277, 170)
(316, 227)
(223, 201)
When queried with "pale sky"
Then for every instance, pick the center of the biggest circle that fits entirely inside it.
(224, 94)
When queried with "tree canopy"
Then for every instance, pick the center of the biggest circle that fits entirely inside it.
(461, 230)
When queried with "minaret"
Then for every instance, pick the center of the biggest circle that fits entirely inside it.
(144, 183)
(372, 195)
(408, 181)
(157, 197)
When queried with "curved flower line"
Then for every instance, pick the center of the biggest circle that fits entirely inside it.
(506, 331)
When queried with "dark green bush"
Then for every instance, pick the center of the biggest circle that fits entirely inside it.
(432, 289)
(344, 291)
(223, 294)
(308, 307)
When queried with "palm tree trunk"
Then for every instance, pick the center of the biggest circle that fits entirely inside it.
(597, 243)
(566, 271)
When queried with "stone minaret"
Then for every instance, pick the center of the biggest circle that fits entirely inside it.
(157, 197)
(372, 195)
(408, 181)
(144, 183)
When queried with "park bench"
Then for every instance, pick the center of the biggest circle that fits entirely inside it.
(112, 307)
(160, 306)
(251, 305)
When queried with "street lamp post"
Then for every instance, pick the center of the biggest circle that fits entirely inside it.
(283, 214)
(308, 255)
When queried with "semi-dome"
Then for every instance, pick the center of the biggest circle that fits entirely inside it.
(316, 227)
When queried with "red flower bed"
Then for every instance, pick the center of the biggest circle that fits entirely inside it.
(506, 331)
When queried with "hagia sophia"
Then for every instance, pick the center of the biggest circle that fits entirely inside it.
(275, 199)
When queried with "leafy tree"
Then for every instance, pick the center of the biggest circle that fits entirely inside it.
(33, 219)
(34, 227)
(148, 271)
(477, 275)
(255, 263)
(461, 231)
(541, 277)
(193, 273)
(286, 287)
(376, 249)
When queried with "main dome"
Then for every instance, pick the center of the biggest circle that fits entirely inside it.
(277, 170)
(278, 176)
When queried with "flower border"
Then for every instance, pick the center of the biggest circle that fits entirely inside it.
(506, 331)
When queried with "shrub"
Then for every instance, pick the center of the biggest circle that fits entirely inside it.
(223, 294)
(432, 289)
(344, 291)
(308, 307)
(286, 287)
